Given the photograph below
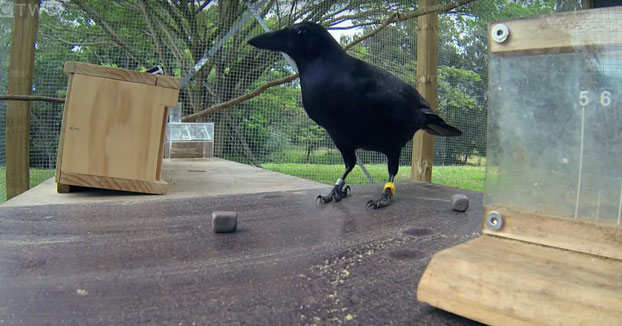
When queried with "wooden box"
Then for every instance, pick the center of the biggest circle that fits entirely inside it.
(113, 129)
(551, 249)
(189, 140)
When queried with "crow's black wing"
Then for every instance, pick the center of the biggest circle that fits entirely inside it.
(388, 98)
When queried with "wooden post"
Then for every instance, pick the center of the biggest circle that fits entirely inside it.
(26, 20)
(587, 4)
(427, 61)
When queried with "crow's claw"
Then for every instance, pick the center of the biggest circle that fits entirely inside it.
(384, 201)
(337, 193)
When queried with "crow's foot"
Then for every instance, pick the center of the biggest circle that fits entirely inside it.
(337, 193)
(385, 199)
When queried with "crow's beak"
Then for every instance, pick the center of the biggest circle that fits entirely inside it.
(274, 41)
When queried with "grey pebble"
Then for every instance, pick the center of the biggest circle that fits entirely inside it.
(224, 221)
(459, 202)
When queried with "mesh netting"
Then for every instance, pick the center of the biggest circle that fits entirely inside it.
(270, 130)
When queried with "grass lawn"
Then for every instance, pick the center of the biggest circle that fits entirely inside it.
(464, 177)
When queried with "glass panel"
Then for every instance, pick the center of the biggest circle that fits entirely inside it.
(555, 134)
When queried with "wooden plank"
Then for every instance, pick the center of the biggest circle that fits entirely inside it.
(157, 187)
(427, 84)
(21, 62)
(117, 130)
(88, 69)
(61, 139)
(168, 81)
(573, 31)
(567, 233)
(507, 282)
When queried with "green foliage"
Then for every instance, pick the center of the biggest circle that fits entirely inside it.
(463, 65)
(5, 48)
(300, 155)
(37, 176)
(459, 104)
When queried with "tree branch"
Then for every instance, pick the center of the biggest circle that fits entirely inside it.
(113, 34)
(238, 100)
(28, 98)
(76, 43)
(399, 17)
(393, 18)
(156, 38)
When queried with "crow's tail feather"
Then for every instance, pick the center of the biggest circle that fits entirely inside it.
(438, 127)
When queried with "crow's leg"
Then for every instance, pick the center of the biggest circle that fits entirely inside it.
(339, 191)
(389, 188)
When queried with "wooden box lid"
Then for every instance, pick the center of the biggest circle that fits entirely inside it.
(80, 68)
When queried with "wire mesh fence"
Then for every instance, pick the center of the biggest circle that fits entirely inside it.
(5, 47)
(271, 130)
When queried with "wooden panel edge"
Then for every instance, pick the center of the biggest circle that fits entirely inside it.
(550, 33)
(572, 234)
(157, 187)
(168, 82)
(111, 73)
(169, 98)
(70, 67)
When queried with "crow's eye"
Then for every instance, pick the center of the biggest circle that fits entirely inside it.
(301, 32)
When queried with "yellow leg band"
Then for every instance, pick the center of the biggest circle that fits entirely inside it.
(390, 185)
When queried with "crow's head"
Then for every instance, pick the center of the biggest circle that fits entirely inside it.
(302, 42)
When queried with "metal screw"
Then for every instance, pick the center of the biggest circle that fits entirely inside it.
(500, 33)
(494, 221)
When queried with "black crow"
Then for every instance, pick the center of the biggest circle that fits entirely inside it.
(359, 105)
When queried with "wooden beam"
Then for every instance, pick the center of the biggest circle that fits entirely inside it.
(580, 234)
(500, 281)
(68, 179)
(30, 98)
(427, 61)
(21, 62)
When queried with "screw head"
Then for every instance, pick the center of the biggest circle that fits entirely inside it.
(494, 221)
(500, 33)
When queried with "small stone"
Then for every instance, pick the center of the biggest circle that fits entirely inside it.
(224, 221)
(459, 202)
